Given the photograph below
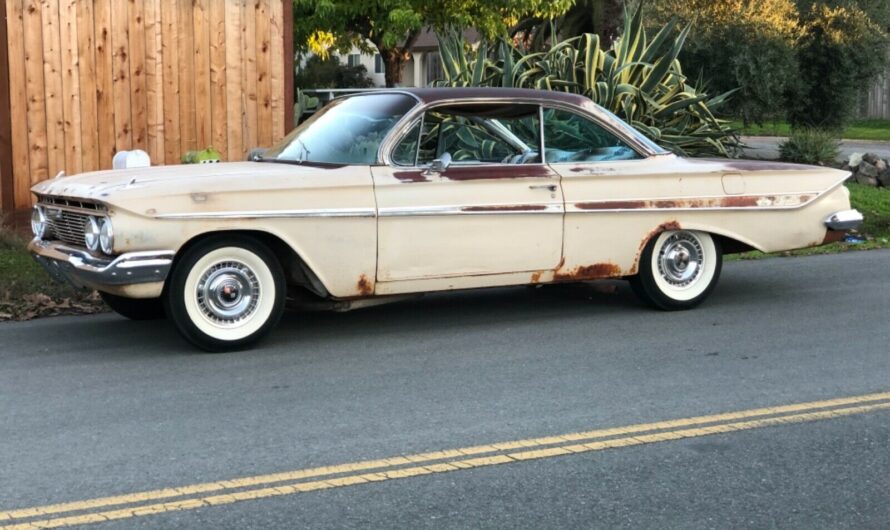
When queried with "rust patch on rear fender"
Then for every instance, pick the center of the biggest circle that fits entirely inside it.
(668, 226)
(597, 271)
(506, 208)
(365, 286)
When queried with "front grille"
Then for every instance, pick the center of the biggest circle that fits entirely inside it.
(66, 218)
(68, 227)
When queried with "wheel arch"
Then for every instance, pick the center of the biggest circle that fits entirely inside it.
(297, 270)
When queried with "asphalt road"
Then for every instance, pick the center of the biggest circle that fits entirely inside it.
(98, 406)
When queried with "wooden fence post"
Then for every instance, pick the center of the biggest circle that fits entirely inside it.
(288, 32)
(6, 175)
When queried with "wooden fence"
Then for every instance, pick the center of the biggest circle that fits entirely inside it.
(876, 103)
(87, 78)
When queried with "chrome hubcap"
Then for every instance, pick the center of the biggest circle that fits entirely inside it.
(228, 292)
(681, 259)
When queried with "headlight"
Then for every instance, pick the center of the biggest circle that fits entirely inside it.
(91, 234)
(38, 222)
(106, 236)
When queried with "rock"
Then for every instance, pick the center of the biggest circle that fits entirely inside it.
(871, 158)
(867, 169)
(867, 181)
(855, 160)
(884, 178)
(881, 166)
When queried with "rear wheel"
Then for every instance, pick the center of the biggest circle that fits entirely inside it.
(678, 269)
(135, 308)
(226, 293)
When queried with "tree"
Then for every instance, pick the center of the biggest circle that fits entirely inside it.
(603, 17)
(392, 26)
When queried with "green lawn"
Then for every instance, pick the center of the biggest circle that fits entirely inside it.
(878, 130)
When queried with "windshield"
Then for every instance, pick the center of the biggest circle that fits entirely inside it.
(348, 131)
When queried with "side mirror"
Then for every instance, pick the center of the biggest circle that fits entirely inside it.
(439, 165)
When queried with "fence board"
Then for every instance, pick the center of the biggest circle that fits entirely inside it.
(202, 72)
(86, 68)
(263, 66)
(136, 38)
(18, 99)
(90, 77)
(104, 84)
(70, 86)
(120, 81)
(234, 92)
(218, 103)
(52, 78)
(154, 81)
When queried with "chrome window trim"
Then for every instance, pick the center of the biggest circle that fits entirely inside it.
(388, 144)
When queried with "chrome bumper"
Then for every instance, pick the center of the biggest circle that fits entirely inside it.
(82, 269)
(844, 220)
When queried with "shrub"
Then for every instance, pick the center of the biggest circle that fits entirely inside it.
(840, 51)
(327, 72)
(809, 145)
(747, 44)
(638, 79)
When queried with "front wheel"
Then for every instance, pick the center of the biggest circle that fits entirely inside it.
(678, 269)
(226, 293)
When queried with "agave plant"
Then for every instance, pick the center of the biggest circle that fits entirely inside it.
(638, 79)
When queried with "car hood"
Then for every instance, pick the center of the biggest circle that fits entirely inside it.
(195, 187)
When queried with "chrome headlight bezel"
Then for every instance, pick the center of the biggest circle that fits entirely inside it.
(91, 234)
(106, 235)
(38, 222)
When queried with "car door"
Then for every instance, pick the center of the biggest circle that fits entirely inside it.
(494, 209)
(601, 173)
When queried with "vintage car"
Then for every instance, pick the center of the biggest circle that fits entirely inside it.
(390, 193)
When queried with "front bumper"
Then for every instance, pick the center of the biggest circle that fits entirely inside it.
(81, 269)
(844, 220)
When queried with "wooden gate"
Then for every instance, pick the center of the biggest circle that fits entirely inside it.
(87, 78)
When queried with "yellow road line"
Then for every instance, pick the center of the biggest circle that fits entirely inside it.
(532, 449)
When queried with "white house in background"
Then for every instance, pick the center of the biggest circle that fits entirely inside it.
(421, 70)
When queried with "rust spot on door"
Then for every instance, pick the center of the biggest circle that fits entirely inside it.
(536, 277)
(365, 286)
(505, 208)
(410, 176)
(610, 205)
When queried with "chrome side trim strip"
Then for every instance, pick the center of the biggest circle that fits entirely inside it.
(494, 209)
(266, 214)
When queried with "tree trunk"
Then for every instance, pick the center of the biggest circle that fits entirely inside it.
(393, 60)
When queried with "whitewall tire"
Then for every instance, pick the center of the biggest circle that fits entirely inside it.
(678, 269)
(225, 293)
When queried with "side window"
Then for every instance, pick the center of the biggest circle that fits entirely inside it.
(569, 137)
(405, 152)
(476, 134)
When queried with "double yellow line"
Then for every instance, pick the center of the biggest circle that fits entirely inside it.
(304, 480)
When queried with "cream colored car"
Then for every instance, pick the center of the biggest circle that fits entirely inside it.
(391, 193)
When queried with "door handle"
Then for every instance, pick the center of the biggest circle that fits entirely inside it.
(548, 187)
